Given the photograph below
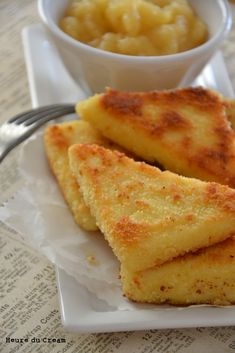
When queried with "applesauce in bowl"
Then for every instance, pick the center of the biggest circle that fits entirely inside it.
(94, 68)
(135, 27)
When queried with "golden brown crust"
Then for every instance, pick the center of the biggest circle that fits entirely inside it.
(148, 216)
(185, 130)
(130, 103)
(55, 135)
(172, 120)
(230, 111)
(203, 277)
(129, 232)
(122, 104)
(221, 196)
(57, 139)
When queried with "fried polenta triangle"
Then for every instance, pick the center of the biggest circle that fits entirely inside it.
(231, 112)
(57, 139)
(149, 216)
(185, 130)
(204, 277)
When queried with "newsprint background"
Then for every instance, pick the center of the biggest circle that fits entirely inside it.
(28, 294)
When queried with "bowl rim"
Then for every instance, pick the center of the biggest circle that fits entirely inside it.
(216, 39)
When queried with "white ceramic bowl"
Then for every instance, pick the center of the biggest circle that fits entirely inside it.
(94, 69)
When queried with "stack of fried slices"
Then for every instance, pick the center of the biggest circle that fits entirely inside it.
(168, 213)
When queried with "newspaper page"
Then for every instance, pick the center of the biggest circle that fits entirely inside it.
(29, 309)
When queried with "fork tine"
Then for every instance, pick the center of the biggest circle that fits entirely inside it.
(18, 119)
(35, 126)
(47, 115)
(23, 125)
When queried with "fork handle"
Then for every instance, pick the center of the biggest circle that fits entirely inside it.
(3, 151)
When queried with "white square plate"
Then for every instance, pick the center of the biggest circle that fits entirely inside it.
(81, 311)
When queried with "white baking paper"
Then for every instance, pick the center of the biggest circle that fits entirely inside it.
(39, 213)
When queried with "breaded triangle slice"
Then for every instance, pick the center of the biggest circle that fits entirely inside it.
(57, 139)
(148, 216)
(231, 112)
(186, 130)
(204, 277)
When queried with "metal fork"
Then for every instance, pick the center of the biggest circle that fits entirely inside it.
(20, 127)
